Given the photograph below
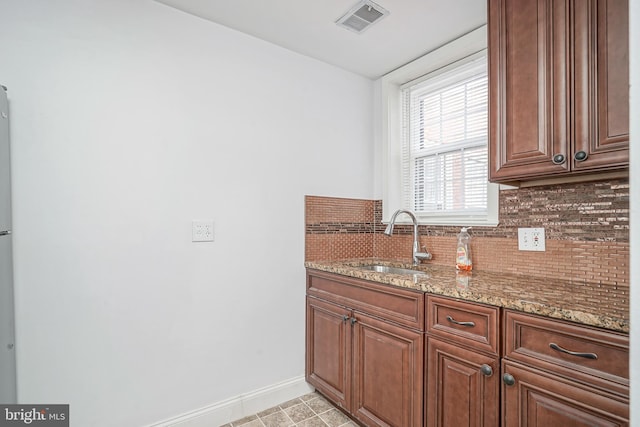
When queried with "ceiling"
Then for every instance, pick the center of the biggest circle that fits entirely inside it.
(413, 28)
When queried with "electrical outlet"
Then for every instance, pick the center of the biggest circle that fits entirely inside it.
(531, 239)
(202, 231)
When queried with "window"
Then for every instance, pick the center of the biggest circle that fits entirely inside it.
(436, 135)
(444, 147)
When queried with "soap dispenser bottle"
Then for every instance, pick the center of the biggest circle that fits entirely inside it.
(463, 251)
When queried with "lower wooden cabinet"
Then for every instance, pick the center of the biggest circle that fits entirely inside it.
(387, 373)
(390, 359)
(535, 398)
(558, 374)
(463, 386)
(328, 350)
(371, 368)
(463, 363)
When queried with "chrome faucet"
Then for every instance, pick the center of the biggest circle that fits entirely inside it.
(417, 255)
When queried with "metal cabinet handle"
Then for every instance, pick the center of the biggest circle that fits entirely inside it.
(508, 379)
(455, 322)
(345, 318)
(353, 320)
(486, 370)
(558, 159)
(580, 156)
(5, 232)
(556, 347)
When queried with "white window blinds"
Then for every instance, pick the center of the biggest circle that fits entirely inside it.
(444, 148)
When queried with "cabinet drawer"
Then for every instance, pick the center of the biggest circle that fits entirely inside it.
(575, 351)
(402, 306)
(467, 323)
(538, 398)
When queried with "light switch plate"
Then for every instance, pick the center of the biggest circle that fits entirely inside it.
(531, 239)
(202, 231)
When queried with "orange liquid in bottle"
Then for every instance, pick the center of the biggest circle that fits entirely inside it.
(464, 267)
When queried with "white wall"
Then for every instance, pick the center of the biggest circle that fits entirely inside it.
(128, 120)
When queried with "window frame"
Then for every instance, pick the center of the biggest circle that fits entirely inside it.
(463, 49)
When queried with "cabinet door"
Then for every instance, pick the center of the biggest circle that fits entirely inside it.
(459, 393)
(601, 39)
(328, 358)
(529, 79)
(542, 400)
(388, 373)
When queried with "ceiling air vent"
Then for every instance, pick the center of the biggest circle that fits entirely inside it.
(361, 16)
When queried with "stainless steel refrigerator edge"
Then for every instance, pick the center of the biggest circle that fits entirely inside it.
(7, 330)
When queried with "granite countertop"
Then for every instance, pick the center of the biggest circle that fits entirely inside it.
(594, 304)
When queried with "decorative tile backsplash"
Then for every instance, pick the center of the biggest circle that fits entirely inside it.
(586, 227)
(338, 228)
(597, 211)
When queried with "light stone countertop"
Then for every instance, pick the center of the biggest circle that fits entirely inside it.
(594, 304)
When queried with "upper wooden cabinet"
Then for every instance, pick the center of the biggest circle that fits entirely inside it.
(559, 87)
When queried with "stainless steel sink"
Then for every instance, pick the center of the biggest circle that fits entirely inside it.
(391, 270)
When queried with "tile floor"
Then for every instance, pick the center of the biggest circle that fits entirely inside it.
(310, 410)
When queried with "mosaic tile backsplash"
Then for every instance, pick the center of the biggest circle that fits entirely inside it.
(586, 227)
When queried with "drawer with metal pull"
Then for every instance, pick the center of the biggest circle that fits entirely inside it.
(402, 306)
(475, 325)
(572, 350)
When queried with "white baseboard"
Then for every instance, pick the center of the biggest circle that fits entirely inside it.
(241, 406)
